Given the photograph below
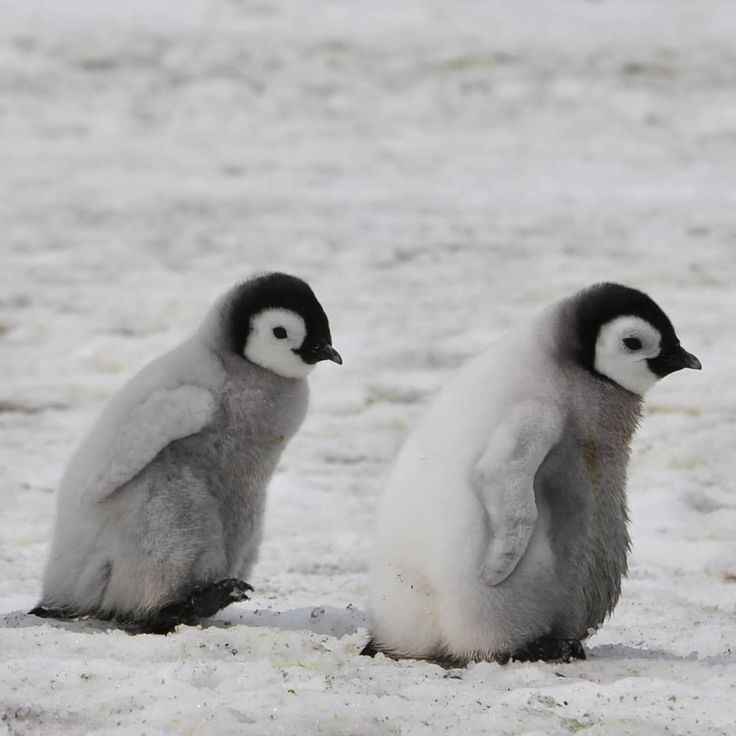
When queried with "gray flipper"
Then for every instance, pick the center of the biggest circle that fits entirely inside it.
(503, 479)
(164, 416)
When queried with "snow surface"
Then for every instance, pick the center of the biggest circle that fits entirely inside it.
(437, 171)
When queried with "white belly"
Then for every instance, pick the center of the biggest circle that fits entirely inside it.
(427, 595)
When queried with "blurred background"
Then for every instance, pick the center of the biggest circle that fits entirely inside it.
(437, 171)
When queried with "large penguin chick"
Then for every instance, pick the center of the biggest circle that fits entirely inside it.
(159, 512)
(502, 529)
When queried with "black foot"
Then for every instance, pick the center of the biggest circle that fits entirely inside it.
(43, 612)
(549, 649)
(369, 650)
(208, 601)
(201, 603)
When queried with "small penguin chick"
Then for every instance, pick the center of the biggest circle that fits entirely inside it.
(502, 531)
(159, 513)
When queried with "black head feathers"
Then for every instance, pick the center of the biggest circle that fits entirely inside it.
(275, 291)
(604, 302)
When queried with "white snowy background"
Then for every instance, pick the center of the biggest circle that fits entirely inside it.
(437, 171)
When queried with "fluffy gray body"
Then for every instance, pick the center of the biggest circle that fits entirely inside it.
(580, 489)
(160, 511)
(191, 517)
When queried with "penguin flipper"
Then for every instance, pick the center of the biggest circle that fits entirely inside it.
(164, 416)
(503, 480)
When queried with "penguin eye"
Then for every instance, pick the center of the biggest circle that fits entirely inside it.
(632, 343)
(279, 333)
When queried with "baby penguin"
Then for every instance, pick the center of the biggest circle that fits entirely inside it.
(160, 510)
(502, 532)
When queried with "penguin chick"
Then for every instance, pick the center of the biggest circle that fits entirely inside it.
(502, 532)
(159, 512)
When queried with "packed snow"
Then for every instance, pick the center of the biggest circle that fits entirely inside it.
(438, 172)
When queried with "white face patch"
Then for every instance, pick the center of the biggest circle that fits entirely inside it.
(274, 335)
(624, 344)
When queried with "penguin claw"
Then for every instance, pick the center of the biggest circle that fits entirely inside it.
(239, 589)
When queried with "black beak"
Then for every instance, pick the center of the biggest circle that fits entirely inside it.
(320, 352)
(689, 360)
(673, 360)
(327, 352)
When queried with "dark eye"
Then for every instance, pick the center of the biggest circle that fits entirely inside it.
(279, 333)
(632, 343)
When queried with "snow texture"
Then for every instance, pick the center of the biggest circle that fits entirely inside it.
(438, 172)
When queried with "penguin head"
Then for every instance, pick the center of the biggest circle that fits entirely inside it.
(276, 322)
(624, 336)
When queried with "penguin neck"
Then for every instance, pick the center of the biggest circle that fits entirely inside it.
(605, 409)
(613, 412)
(241, 370)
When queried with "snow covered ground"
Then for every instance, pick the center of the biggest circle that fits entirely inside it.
(438, 171)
